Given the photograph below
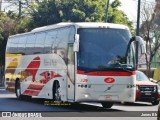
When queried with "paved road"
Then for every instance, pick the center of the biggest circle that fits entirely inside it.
(8, 102)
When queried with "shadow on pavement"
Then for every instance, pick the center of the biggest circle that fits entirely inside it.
(72, 106)
(135, 104)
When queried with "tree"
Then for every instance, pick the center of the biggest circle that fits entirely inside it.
(7, 26)
(22, 5)
(46, 12)
(10, 24)
(148, 30)
(157, 12)
(54, 11)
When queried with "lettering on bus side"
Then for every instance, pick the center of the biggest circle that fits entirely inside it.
(50, 62)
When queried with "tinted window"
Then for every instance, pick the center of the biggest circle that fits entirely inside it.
(15, 40)
(39, 45)
(51, 37)
(13, 48)
(29, 49)
(23, 39)
(8, 46)
(48, 48)
(40, 38)
(50, 41)
(31, 38)
(38, 49)
(72, 32)
(102, 48)
(60, 45)
(21, 48)
(140, 76)
(70, 63)
(22, 44)
(13, 44)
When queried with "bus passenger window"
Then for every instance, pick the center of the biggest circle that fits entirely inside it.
(70, 65)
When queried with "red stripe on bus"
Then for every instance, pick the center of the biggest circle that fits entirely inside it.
(104, 73)
(35, 87)
(31, 92)
(33, 67)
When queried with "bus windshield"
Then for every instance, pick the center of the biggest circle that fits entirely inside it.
(104, 49)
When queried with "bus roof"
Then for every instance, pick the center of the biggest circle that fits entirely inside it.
(78, 25)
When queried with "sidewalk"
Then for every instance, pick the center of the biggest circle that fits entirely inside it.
(6, 94)
(3, 91)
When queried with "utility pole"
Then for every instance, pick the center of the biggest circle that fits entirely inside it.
(138, 18)
(138, 30)
(107, 8)
(20, 8)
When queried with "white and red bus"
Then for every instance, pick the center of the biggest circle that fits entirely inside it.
(74, 62)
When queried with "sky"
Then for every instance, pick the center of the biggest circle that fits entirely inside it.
(130, 8)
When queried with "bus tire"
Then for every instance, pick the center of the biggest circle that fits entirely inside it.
(18, 91)
(56, 91)
(107, 104)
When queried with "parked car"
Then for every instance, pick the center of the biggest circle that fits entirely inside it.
(146, 90)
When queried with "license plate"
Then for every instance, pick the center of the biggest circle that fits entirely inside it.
(147, 93)
(108, 97)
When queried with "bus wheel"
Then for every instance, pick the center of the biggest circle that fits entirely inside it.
(56, 91)
(107, 104)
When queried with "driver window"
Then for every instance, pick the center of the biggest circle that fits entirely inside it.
(70, 63)
(130, 57)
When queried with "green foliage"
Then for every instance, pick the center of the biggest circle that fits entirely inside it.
(9, 25)
(54, 11)
(6, 27)
(22, 25)
(46, 12)
(115, 4)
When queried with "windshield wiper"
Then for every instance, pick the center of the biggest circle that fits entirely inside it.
(97, 69)
(112, 67)
(125, 67)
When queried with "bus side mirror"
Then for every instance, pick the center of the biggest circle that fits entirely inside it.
(76, 43)
(141, 43)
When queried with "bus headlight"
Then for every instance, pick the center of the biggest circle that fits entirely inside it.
(86, 95)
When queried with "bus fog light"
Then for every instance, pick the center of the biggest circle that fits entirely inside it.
(86, 95)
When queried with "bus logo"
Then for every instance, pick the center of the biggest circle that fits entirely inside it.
(109, 80)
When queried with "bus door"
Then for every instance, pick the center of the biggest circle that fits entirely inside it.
(70, 73)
